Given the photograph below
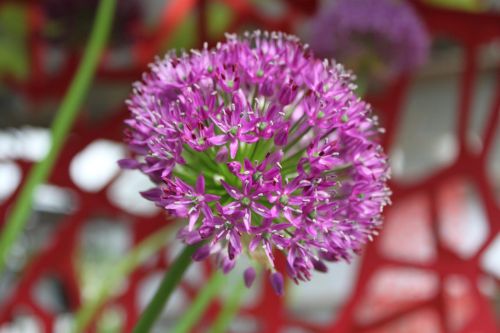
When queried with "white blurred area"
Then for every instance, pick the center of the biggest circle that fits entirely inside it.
(27, 143)
(90, 170)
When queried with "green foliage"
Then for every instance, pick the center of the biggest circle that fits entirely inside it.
(219, 18)
(469, 5)
(13, 41)
(184, 36)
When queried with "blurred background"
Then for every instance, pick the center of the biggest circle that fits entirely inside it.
(435, 266)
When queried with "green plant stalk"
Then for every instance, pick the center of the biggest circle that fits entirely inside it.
(117, 274)
(63, 122)
(362, 83)
(171, 279)
(229, 309)
(198, 307)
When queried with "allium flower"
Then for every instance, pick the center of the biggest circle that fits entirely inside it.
(263, 149)
(70, 21)
(376, 38)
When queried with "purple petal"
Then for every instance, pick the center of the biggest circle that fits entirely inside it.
(189, 238)
(202, 253)
(232, 191)
(228, 265)
(247, 219)
(268, 250)
(193, 217)
(329, 256)
(246, 187)
(211, 197)
(153, 194)
(272, 111)
(261, 210)
(176, 205)
(254, 243)
(184, 187)
(249, 138)
(234, 167)
(249, 276)
(206, 231)
(281, 137)
(218, 140)
(200, 184)
(222, 155)
(233, 148)
(265, 224)
(319, 266)
(287, 93)
(271, 173)
(287, 213)
(234, 240)
(232, 208)
(277, 283)
(248, 165)
(274, 157)
(281, 226)
(231, 252)
(128, 163)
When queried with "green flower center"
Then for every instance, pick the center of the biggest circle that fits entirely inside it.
(245, 201)
(284, 199)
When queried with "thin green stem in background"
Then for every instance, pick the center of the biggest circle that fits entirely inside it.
(62, 124)
(362, 82)
(170, 281)
(229, 309)
(117, 275)
(191, 317)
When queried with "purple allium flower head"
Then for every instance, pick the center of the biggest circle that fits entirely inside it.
(262, 149)
(378, 38)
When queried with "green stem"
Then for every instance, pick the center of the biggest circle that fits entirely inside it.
(229, 309)
(264, 148)
(62, 123)
(190, 178)
(171, 279)
(295, 105)
(255, 147)
(292, 160)
(296, 125)
(117, 274)
(295, 140)
(198, 307)
(363, 85)
(201, 160)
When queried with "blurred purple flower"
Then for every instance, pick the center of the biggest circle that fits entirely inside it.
(300, 171)
(377, 38)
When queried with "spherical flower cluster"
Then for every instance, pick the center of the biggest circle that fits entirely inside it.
(377, 38)
(69, 21)
(263, 149)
